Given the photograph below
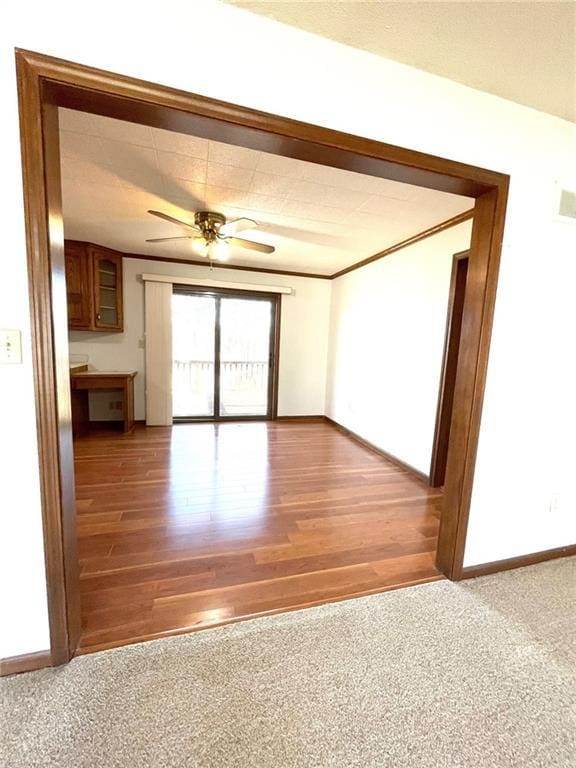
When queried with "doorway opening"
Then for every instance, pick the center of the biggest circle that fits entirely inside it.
(47, 84)
(225, 355)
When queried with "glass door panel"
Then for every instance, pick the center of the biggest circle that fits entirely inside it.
(107, 292)
(245, 326)
(193, 351)
(107, 289)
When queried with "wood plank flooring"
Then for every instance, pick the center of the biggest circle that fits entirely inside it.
(202, 524)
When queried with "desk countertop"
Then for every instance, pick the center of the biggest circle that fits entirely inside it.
(108, 374)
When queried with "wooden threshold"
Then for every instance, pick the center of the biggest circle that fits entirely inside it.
(97, 647)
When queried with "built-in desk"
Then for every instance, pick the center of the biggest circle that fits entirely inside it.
(82, 382)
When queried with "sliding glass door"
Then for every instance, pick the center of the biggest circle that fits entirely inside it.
(224, 349)
(194, 355)
(245, 326)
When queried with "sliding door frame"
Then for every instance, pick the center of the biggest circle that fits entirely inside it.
(275, 300)
(46, 83)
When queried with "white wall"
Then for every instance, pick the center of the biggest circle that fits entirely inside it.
(530, 411)
(387, 330)
(304, 325)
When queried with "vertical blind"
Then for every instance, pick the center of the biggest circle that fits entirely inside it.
(158, 328)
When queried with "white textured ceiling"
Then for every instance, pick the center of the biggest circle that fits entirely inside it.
(319, 219)
(522, 51)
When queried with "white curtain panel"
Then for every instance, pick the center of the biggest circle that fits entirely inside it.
(158, 328)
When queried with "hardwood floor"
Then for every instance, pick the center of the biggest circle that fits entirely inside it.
(202, 524)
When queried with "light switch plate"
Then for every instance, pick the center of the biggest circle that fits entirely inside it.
(10, 346)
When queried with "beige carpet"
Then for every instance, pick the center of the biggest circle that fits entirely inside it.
(477, 674)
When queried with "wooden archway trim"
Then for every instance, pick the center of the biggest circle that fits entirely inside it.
(46, 83)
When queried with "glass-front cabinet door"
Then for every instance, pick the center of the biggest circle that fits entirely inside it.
(107, 290)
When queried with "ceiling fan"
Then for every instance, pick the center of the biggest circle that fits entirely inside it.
(213, 234)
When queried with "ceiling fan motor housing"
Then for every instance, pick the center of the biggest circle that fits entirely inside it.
(209, 222)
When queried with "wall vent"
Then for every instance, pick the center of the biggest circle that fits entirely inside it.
(567, 205)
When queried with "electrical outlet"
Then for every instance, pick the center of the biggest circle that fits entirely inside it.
(554, 505)
(10, 346)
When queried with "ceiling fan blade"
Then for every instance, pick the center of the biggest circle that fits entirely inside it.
(173, 220)
(167, 239)
(237, 225)
(250, 244)
(315, 237)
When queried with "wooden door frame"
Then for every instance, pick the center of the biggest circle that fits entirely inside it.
(447, 378)
(275, 300)
(46, 83)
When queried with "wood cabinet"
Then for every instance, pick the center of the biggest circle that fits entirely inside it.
(93, 287)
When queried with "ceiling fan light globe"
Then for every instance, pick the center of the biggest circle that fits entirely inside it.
(220, 250)
(200, 246)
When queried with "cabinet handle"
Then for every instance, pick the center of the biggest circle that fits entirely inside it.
(98, 316)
